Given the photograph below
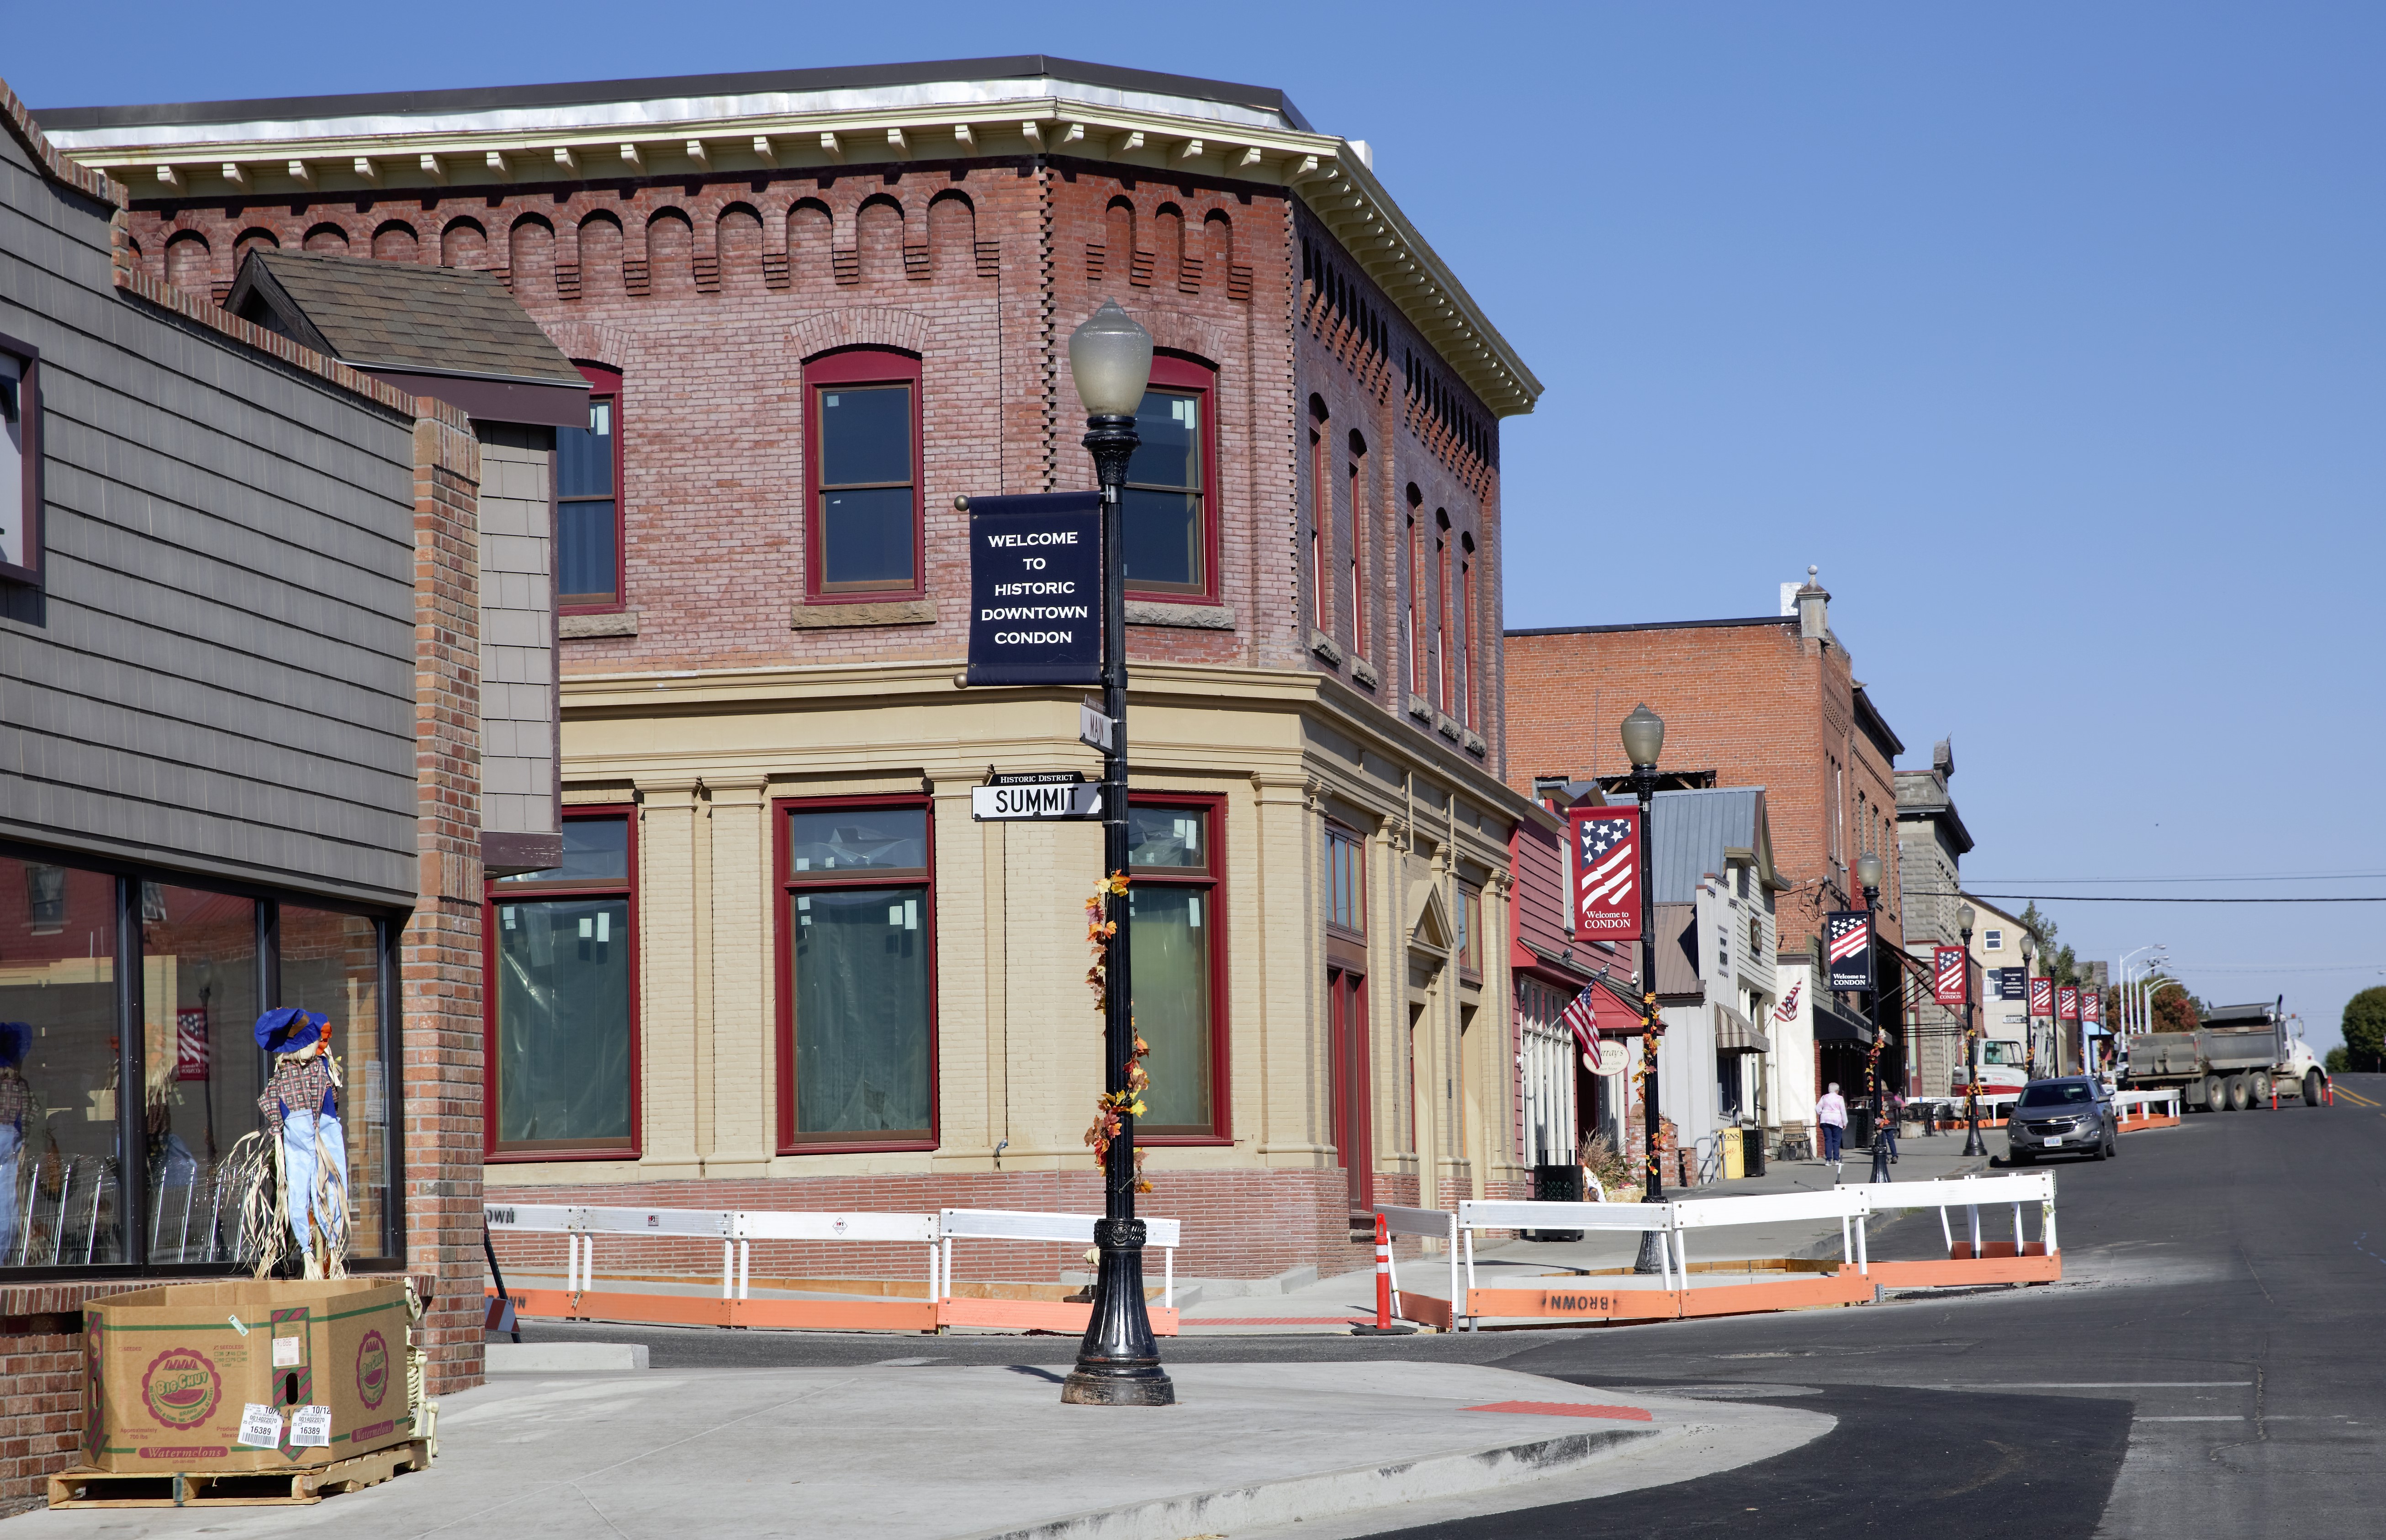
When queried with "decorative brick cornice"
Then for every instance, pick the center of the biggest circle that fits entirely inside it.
(863, 327)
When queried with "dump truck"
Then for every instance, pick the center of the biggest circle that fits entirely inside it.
(2236, 1059)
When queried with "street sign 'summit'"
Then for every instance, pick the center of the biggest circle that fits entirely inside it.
(1055, 794)
(1036, 589)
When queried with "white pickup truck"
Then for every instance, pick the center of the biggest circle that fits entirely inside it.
(2235, 1059)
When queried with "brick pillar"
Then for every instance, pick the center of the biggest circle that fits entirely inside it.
(439, 957)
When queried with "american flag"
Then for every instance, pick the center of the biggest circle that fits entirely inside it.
(1846, 934)
(2042, 996)
(1579, 1017)
(2066, 1003)
(2092, 1005)
(1607, 842)
(1949, 962)
(1787, 1010)
(191, 1044)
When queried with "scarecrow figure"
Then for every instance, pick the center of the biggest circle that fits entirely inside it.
(302, 1120)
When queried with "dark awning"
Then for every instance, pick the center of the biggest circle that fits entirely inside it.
(1833, 1024)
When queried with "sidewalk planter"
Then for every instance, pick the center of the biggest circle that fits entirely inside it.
(168, 1372)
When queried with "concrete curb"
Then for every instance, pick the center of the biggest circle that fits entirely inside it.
(1326, 1493)
(565, 1358)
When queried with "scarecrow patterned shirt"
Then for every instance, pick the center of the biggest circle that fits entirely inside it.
(303, 1083)
(16, 1099)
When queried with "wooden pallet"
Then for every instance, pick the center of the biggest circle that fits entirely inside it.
(84, 1487)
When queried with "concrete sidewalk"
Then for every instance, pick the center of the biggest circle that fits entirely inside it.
(907, 1450)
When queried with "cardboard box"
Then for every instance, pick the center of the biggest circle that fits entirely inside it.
(170, 1371)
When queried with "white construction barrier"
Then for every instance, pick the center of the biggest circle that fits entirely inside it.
(1021, 1224)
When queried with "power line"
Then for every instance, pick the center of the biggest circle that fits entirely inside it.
(2264, 877)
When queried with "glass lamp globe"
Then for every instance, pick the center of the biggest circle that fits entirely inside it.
(1644, 737)
(1109, 358)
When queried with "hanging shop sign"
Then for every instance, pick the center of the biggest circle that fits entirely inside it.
(1606, 872)
(1947, 969)
(1036, 589)
(1056, 794)
(1846, 949)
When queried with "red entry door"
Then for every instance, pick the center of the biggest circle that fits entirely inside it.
(1346, 1004)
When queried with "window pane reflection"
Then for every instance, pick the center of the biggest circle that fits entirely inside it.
(198, 958)
(331, 963)
(60, 1200)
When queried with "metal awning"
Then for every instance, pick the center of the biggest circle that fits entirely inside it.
(1736, 1034)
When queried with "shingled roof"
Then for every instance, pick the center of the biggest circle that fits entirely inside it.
(400, 317)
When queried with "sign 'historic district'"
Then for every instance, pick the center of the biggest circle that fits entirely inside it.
(1036, 589)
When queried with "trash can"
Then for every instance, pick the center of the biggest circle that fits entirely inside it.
(1752, 1151)
(1860, 1126)
(1556, 1184)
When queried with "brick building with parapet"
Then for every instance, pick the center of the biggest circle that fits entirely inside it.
(816, 307)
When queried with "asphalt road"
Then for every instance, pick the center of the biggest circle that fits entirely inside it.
(2209, 1366)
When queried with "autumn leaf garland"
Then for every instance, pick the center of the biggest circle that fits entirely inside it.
(1112, 1106)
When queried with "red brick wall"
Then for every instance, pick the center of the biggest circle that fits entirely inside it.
(1755, 703)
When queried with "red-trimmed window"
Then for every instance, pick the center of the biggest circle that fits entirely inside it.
(588, 544)
(21, 461)
(1179, 965)
(563, 1002)
(861, 475)
(1346, 880)
(1468, 685)
(1360, 536)
(1470, 932)
(1170, 513)
(857, 931)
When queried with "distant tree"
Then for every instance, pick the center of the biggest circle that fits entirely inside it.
(2364, 1029)
(2335, 1062)
(2174, 1008)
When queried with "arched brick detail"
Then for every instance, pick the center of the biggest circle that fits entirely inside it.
(1184, 333)
(595, 342)
(860, 327)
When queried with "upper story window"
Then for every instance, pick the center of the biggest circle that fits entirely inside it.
(562, 998)
(1992, 940)
(1346, 880)
(857, 960)
(863, 471)
(1171, 541)
(588, 500)
(1360, 538)
(1470, 932)
(20, 462)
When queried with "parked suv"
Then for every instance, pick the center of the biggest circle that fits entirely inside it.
(2071, 1116)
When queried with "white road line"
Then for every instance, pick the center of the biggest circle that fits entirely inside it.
(2098, 1384)
(2191, 1420)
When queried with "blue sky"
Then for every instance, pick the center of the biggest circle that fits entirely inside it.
(2052, 333)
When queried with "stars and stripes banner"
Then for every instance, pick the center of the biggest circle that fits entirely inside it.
(1786, 1011)
(191, 1044)
(1847, 948)
(2091, 1008)
(1948, 974)
(2066, 1003)
(1607, 872)
(2042, 996)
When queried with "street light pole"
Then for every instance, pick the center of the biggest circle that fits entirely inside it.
(1644, 739)
(1118, 1362)
(1868, 879)
(1972, 1145)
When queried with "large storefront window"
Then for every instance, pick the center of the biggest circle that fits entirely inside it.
(1172, 897)
(107, 974)
(562, 998)
(858, 1016)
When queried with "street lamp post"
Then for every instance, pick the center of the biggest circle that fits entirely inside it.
(1644, 739)
(1868, 879)
(1118, 1362)
(1972, 1145)
(2029, 1021)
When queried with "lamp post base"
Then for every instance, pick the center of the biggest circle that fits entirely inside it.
(1972, 1141)
(1118, 1364)
(1652, 1252)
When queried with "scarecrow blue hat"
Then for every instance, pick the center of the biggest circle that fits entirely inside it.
(289, 1029)
(15, 1039)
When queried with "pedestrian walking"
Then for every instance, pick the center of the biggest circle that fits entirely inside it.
(1896, 1101)
(1831, 1112)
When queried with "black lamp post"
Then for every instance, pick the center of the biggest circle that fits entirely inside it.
(1868, 879)
(1118, 1364)
(1972, 1145)
(1644, 739)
